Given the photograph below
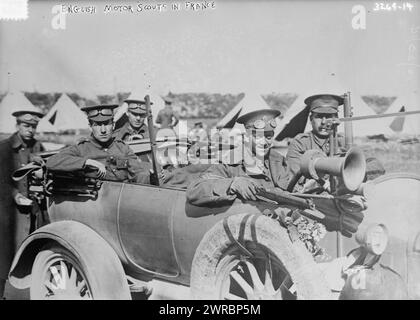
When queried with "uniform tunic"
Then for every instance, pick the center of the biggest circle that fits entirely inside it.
(302, 143)
(126, 132)
(165, 117)
(120, 161)
(213, 187)
(15, 222)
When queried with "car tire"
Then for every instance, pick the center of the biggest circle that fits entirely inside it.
(268, 266)
(58, 274)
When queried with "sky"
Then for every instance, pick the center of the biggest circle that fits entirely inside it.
(263, 46)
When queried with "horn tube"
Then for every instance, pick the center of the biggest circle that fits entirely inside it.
(351, 169)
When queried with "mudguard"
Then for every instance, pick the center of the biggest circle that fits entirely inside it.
(87, 246)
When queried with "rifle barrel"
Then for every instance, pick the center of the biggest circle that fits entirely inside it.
(375, 116)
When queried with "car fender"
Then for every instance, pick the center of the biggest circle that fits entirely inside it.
(82, 241)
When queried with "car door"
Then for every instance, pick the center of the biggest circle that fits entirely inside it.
(145, 228)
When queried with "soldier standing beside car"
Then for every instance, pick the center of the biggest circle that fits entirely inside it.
(108, 157)
(18, 212)
(261, 166)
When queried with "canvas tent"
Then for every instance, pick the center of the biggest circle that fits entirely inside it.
(405, 125)
(295, 120)
(228, 121)
(368, 127)
(12, 102)
(250, 102)
(65, 115)
(46, 126)
(388, 126)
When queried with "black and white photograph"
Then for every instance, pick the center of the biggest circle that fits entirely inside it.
(209, 150)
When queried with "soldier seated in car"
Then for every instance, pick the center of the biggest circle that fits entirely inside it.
(109, 157)
(261, 166)
(323, 110)
(135, 127)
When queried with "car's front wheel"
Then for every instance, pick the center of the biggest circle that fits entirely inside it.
(58, 274)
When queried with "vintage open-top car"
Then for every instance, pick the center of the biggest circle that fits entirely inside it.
(107, 239)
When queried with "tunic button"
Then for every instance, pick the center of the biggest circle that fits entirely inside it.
(267, 179)
(105, 149)
(113, 170)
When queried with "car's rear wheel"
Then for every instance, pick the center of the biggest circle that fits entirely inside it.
(268, 266)
(57, 274)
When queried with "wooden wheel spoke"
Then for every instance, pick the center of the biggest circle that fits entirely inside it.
(50, 286)
(231, 296)
(73, 277)
(64, 274)
(268, 285)
(256, 281)
(285, 281)
(56, 275)
(242, 283)
(81, 285)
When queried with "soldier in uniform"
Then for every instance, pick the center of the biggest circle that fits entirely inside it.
(18, 212)
(166, 117)
(261, 165)
(136, 127)
(323, 108)
(109, 157)
(323, 111)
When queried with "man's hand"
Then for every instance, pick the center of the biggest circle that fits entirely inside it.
(311, 184)
(98, 165)
(244, 187)
(38, 174)
(37, 159)
(161, 176)
(21, 200)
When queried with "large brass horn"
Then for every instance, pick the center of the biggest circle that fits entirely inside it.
(351, 168)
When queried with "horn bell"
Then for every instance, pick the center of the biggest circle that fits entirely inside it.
(351, 169)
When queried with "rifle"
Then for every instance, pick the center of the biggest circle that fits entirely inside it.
(155, 164)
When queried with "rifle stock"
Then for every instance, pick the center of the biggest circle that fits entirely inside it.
(283, 197)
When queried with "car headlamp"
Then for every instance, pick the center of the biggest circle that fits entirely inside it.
(374, 238)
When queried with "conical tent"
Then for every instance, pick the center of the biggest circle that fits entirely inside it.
(295, 120)
(410, 124)
(13, 101)
(228, 121)
(66, 115)
(367, 127)
(46, 126)
(252, 101)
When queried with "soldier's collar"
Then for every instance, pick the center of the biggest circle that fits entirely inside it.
(320, 140)
(101, 145)
(132, 130)
(253, 165)
(18, 142)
